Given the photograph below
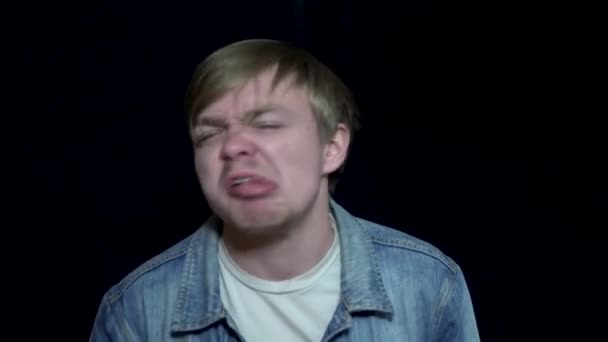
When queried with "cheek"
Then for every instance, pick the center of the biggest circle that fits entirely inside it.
(203, 167)
(198, 164)
(300, 154)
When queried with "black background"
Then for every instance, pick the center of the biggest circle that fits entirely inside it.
(481, 137)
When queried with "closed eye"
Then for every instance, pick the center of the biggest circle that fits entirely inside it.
(201, 138)
(267, 125)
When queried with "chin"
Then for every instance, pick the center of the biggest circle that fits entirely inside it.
(250, 214)
(256, 220)
(260, 232)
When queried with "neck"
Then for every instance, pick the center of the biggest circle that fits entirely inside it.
(287, 251)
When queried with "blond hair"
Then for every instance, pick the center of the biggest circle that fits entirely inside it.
(235, 64)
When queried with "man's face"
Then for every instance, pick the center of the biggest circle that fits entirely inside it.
(259, 156)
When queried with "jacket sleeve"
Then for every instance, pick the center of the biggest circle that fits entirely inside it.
(109, 324)
(456, 319)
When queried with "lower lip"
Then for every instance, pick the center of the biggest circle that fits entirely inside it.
(252, 189)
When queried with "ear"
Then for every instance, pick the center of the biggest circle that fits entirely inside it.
(335, 149)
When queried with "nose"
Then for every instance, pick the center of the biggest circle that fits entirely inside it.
(236, 144)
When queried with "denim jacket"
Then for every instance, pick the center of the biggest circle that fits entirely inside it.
(394, 287)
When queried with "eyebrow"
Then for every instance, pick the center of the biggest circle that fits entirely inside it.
(256, 112)
(247, 116)
(210, 121)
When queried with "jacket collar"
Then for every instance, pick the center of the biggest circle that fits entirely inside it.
(362, 288)
(199, 304)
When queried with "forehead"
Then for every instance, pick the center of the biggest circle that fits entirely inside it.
(260, 91)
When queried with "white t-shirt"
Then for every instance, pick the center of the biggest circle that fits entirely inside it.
(297, 309)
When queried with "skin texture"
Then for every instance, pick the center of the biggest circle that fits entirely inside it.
(276, 223)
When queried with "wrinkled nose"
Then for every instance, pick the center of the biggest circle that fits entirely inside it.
(236, 144)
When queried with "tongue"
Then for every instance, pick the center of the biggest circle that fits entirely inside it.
(252, 188)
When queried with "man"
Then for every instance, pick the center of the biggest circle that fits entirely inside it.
(280, 260)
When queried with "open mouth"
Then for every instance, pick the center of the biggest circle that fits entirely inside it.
(241, 180)
(250, 187)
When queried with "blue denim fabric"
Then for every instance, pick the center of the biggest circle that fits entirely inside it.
(394, 287)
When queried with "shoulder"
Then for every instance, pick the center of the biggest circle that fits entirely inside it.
(426, 287)
(159, 269)
(406, 248)
(394, 248)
